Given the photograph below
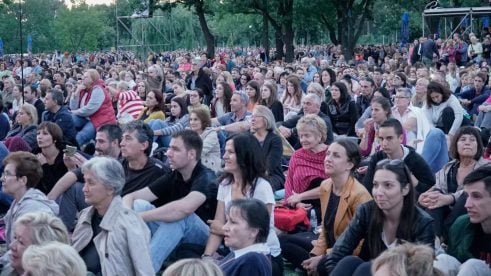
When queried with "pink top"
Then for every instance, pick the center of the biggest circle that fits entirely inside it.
(304, 167)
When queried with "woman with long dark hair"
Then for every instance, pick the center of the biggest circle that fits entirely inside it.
(220, 104)
(443, 109)
(244, 176)
(390, 219)
(178, 120)
(340, 195)
(154, 106)
(50, 142)
(342, 110)
(269, 98)
(253, 91)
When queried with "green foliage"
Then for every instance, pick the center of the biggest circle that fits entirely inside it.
(83, 28)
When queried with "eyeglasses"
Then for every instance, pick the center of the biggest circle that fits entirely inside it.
(401, 97)
(6, 174)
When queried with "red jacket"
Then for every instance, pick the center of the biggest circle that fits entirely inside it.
(105, 114)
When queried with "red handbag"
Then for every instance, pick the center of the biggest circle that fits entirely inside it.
(287, 219)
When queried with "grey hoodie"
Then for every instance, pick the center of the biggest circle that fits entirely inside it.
(33, 201)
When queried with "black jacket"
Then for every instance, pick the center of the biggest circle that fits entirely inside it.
(273, 151)
(415, 163)
(203, 82)
(357, 230)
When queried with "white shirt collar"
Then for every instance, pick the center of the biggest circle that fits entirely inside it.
(257, 247)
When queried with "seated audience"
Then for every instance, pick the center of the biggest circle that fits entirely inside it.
(342, 110)
(50, 143)
(246, 231)
(244, 176)
(445, 200)
(54, 259)
(292, 97)
(443, 109)
(220, 104)
(390, 134)
(381, 111)
(20, 177)
(91, 106)
(107, 229)
(306, 167)
(196, 98)
(264, 129)
(185, 199)
(392, 217)
(469, 247)
(26, 125)
(154, 106)
(33, 228)
(311, 104)
(200, 122)
(59, 114)
(129, 104)
(406, 259)
(269, 98)
(193, 266)
(340, 195)
(178, 120)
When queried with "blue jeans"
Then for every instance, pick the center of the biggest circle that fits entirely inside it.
(162, 140)
(166, 236)
(435, 150)
(71, 202)
(85, 129)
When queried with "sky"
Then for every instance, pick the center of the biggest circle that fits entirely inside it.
(93, 2)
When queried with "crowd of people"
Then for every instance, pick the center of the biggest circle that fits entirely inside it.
(176, 164)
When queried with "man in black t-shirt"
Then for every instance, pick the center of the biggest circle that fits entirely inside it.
(187, 197)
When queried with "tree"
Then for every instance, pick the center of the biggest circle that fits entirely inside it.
(81, 27)
(344, 20)
(201, 7)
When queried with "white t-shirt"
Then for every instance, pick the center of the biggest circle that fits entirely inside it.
(264, 193)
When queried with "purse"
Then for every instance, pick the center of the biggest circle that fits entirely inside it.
(287, 219)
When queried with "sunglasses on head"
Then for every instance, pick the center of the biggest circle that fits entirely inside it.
(397, 163)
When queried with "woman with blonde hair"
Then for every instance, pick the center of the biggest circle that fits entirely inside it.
(306, 167)
(27, 119)
(264, 128)
(406, 260)
(187, 267)
(33, 229)
(54, 259)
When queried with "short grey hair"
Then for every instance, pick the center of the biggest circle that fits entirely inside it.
(244, 98)
(107, 171)
(319, 91)
(265, 112)
(406, 91)
(57, 96)
(315, 99)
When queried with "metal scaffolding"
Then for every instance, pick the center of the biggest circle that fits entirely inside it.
(138, 37)
(470, 13)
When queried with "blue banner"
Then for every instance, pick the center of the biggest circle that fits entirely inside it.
(29, 43)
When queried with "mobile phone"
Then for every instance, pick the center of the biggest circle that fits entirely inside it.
(70, 150)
